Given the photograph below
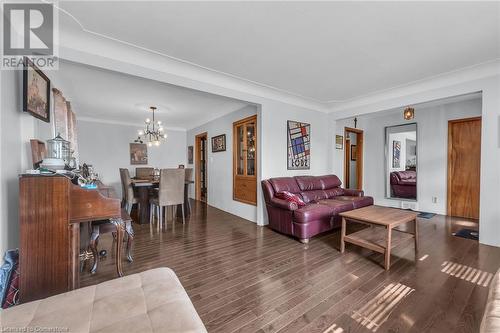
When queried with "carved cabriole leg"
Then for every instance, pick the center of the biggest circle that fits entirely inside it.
(304, 240)
(93, 247)
(120, 230)
(130, 238)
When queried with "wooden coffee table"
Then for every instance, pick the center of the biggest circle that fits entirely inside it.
(378, 216)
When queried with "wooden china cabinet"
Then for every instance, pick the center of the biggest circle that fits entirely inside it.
(245, 160)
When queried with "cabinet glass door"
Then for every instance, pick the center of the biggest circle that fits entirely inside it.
(245, 160)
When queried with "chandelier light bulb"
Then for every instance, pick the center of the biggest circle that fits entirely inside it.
(160, 129)
(157, 143)
(150, 144)
(159, 122)
(148, 120)
(141, 132)
(164, 136)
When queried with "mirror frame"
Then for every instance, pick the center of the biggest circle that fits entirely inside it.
(386, 166)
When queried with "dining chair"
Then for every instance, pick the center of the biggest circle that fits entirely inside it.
(170, 193)
(128, 197)
(189, 174)
(144, 173)
(188, 181)
(105, 226)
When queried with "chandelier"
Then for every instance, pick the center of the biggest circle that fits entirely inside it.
(153, 133)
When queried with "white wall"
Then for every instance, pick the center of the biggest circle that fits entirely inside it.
(220, 165)
(106, 147)
(432, 150)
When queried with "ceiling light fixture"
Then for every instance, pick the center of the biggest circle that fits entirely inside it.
(409, 113)
(153, 133)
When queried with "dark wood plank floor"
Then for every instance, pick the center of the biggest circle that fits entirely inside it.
(244, 278)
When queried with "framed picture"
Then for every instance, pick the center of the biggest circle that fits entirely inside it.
(396, 154)
(138, 153)
(36, 91)
(190, 154)
(354, 152)
(60, 114)
(219, 143)
(339, 142)
(299, 145)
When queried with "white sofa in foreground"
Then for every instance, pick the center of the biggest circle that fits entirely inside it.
(151, 301)
(491, 317)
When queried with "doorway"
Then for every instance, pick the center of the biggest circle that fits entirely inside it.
(464, 162)
(201, 167)
(353, 160)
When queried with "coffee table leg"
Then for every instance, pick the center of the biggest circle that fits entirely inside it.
(342, 235)
(416, 236)
(387, 263)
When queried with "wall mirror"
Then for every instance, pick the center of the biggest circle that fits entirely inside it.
(401, 161)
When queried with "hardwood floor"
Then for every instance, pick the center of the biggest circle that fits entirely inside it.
(244, 278)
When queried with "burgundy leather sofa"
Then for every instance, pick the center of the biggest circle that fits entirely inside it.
(324, 199)
(404, 184)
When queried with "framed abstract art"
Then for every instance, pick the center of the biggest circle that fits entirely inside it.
(299, 145)
(219, 143)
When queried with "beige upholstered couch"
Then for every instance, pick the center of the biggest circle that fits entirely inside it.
(491, 317)
(151, 301)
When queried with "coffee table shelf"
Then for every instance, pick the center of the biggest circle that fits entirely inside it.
(371, 238)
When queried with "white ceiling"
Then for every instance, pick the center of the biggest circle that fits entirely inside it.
(120, 98)
(326, 51)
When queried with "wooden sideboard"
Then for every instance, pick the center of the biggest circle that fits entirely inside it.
(51, 209)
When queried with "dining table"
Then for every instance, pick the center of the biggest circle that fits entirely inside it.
(143, 188)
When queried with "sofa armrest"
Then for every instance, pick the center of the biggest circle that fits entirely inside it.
(283, 204)
(353, 193)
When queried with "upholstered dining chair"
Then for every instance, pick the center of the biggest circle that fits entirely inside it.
(170, 193)
(128, 197)
(189, 174)
(144, 173)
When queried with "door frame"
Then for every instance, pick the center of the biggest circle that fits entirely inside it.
(450, 150)
(359, 156)
(197, 159)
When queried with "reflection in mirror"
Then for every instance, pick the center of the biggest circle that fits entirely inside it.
(401, 161)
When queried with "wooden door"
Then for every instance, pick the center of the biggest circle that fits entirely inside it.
(245, 160)
(358, 158)
(464, 162)
(201, 167)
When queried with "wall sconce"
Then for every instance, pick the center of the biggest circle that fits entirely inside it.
(409, 113)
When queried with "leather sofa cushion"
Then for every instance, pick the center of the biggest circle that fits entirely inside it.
(288, 184)
(151, 301)
(333, 192)
(338, 206)
(313, 196)
(410, 182)
(312, 212)
(309, 183)
(330, 181)
(357, 202)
